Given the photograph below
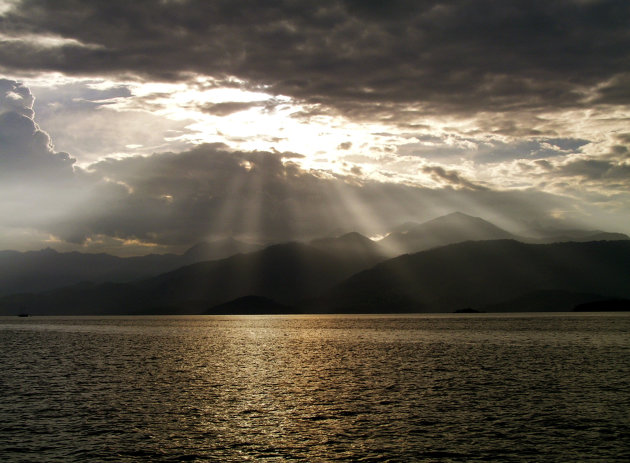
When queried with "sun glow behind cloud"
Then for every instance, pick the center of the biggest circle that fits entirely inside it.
(233, 114)
(255, 121)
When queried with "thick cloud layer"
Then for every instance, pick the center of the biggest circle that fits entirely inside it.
(25, 150)
(357, 56)
(182, 198)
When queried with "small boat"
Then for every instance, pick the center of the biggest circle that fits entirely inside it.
(22, 315)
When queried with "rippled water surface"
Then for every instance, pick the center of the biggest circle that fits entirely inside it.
(316, 388)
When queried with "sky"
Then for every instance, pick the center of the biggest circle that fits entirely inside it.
(149, 126)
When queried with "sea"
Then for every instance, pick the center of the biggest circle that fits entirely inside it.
(321, 388)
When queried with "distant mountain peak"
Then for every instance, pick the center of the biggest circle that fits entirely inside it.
(356, 237)
(460, 216)
(447, 229)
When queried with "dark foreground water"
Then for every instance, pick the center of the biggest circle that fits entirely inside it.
(316, 388)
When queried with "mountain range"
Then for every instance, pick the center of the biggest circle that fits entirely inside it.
(457, 227)
(36, 271)
(349, 273)
(486, 275)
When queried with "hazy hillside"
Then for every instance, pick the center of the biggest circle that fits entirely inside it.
(44, 270)
(479, 274)
(285, 273)
(487, 274)
(457, 227)
(282, 272)
(448, 229)
(36, 271)
(217, 249)
(48, 269)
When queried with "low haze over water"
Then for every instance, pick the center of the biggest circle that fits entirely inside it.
(513, 387)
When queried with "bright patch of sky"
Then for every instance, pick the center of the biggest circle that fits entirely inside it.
(140, 118)
(96, 118)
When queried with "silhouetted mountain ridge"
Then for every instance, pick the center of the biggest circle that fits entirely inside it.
(491, 276)
(476, 274)
(284, 273)
(43, 270)
(37, 271)
(458, 227)
(483, 273)
(218, 249)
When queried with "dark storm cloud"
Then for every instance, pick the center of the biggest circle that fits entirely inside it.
(544, 164)
(359, 57)
(227, 108)
(617, 91)
(450, 177)
(607, 174)
(598, 170)
(230, 107)
(624, 138)
(356, 170)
